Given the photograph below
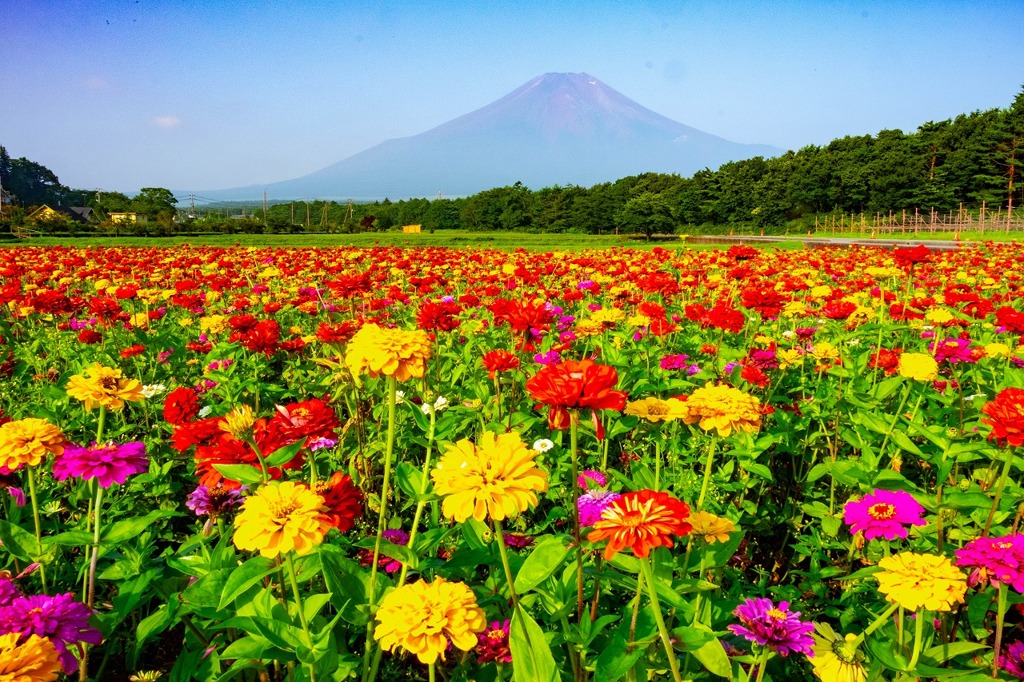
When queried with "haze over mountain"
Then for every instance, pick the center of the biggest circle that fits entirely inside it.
(559, 128)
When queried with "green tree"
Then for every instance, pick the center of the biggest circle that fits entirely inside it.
(151, 201)
(646, 214)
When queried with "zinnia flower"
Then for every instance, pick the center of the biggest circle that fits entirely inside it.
(395, 536)
(918, 366)
(921, 580)
(775, 627)
(492, 643)
(239, 422)
(835, 659)
(24, 442)
(1004, 413)
(343, 500)
(641, 521)
(108, 464)
(576, 385)
(883, 514)
(724, 409)
(656, 409)
(497, 361)
(710, 527)
(213, 501)
(999, 560)
(496, 479)
(423, 618)
(1012, 659)
(33, 660)
(8, 591)
(281, 517)
(103, 387)
(391, 352)
(60, 618)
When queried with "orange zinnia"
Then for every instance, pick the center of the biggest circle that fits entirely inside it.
(1005, 414)
(573, 384)
(641, 521)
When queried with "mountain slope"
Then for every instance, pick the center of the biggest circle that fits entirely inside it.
(558, 128)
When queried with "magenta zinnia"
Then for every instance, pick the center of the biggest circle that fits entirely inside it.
(883, 514)
(108, 464)
(60, 618)
(773, 626)
(996, 560)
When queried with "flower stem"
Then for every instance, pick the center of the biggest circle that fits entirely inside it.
(83, 667)
(574, 447)
(645, 566)
(892, 424)
(1007, 463)
(290, 567)
(420, 503)
(499, 536)
(707, 473)
(30, 473)
(370, 673)
(878, 622)
(1000, 615)
(765, 653)
(918, 638)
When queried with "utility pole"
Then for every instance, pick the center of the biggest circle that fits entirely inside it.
(264, 207)
(307, 215)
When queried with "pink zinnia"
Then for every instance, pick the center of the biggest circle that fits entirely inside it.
(999, 560)
(108, 464)
(592, 504)
(60, 618)
(773, 626)
(883, 514)
(1012, 659)
(492, 643)
(952, 351)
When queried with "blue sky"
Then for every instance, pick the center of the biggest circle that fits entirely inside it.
(123, 94)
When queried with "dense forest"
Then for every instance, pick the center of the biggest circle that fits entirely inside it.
(968, 161)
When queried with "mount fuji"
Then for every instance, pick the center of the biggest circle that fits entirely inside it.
(557, 129)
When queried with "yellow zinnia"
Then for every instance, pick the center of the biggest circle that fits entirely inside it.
(391, 352)
(496, 479)
(34, 660)
(997, 350)
(104, 387)
(281, 517)
(656, 409)
(239, 422)
(710, 527)
(835, 659)
(921, 580)
(918, 366)
(423, 617)
(723, 408)
(26, 441)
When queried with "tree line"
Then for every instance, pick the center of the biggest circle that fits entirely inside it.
(967, 161)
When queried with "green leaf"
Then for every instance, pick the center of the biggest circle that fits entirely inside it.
(944, 652)
(531, 656)
(544, 560)
(347, 583)
(19, 541)
(243, 473)
(125, 530)
(281, 455)
(759, 470)
(713, 657)
(156, 622)
(244, 577)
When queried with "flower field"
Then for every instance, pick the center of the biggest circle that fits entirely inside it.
(266, 464)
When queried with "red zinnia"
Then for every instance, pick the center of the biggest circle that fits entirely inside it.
(1006, 417)
(181, 405)
(310, 419)
(641, 521)
(573, 384)
(132, 351)
(497, 361)
(343, 500)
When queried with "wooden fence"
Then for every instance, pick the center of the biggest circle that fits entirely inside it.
(916, 221)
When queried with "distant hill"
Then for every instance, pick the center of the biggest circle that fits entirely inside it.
(559, 128)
